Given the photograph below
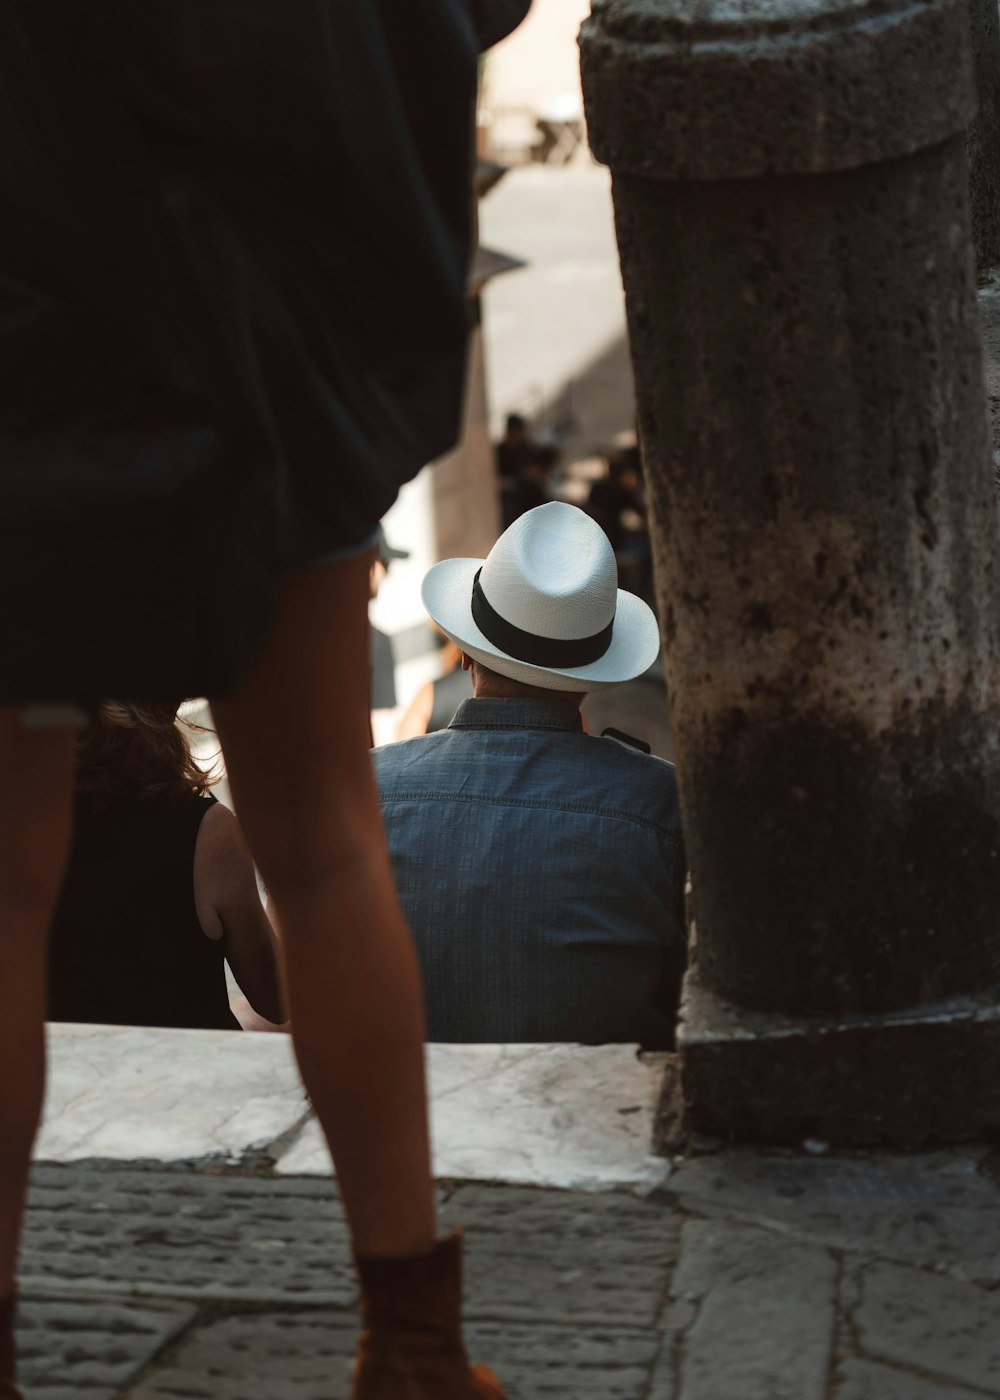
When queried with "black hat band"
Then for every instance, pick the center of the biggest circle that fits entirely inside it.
(550, 652)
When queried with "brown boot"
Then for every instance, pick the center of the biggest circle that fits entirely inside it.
(411, 1347)
(8, 1390)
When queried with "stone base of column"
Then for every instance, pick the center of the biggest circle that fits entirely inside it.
(930, 1073)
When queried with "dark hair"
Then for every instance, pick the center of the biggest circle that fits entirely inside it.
(515, 422)
(543, 455)
(625, 462)
(135, 749)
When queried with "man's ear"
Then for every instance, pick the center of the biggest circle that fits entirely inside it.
(467, 662)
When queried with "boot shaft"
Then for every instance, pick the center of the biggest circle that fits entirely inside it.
(420, 1295)
(412, 1347)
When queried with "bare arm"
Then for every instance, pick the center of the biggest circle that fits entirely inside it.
(250, 1021)
(229, 908)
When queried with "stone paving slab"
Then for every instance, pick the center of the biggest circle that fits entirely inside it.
(551, 1363)
(564, 1257)
(198, 1284)
(294, 1355)
(765, 1311)
(866, 1380)
(73, 1349)
(308, 1356)
(668, 1373)
(949, 1330)
(930, 1209)
(103, 1229)
(531, 1253)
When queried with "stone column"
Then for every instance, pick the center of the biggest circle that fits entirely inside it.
(790, 193)
(982, 139)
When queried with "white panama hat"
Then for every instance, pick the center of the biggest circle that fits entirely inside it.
(544, 607)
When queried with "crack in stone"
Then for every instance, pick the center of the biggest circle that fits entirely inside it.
(843, 1323)
(276, 1148)
(671, 1302)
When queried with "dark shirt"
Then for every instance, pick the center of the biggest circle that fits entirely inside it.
(524, 494)
(127, 946)
(511, 457)
(607, 501)
(542, 872)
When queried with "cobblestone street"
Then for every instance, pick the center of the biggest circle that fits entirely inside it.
(764, 1277)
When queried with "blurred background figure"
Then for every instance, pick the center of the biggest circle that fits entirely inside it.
(550, 365)
(160, 889)
(524, 463)
(617, 502)
(530, 487)
(383, 656)
(434, 705)
(513, 448)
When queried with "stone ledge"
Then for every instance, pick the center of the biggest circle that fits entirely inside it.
(569, 1116)
(928, 1074)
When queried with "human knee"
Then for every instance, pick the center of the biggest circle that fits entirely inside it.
(311, 870)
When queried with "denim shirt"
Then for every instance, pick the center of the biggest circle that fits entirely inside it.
(541, 870)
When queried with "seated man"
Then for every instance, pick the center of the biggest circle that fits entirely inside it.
(541, 868)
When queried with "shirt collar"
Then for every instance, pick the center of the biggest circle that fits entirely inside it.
(521, 712)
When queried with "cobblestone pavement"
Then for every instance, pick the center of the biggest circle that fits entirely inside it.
(751, 1276)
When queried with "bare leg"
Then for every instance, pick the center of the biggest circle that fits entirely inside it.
(36, 781)
(295, 737)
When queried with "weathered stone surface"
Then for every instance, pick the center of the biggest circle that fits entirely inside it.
(865, 1380)
(948, 1329)
(765, 1314)
(989, 314)
(570, 1295)
(281, 1356)
(106, 1230)
(575, 1116)
(562, 1258)
(809, 383)
(809, 379)
(307, 1356)
(772, 1077)
(669, 1124)
(590, 1363)
(675, 1324)
(982, 139)
(122, 1092)
(934, 1210)
(73, 1349)
(785, 85)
